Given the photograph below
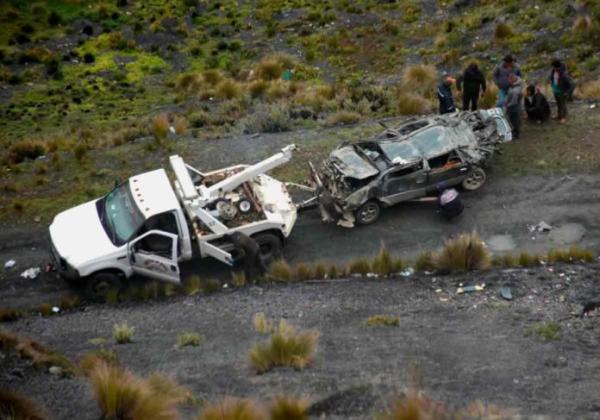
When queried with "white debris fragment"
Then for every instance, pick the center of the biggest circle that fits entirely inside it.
(592, 106)
(31, 273)
(55, 309)
(407, 272)
(9, 264)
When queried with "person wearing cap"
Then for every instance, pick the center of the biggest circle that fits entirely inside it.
(561, 86)
(444, 93)
(501, 75)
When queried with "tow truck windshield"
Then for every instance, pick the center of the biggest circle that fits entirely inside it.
(119, 214)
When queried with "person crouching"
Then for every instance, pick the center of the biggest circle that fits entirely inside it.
(536, 105)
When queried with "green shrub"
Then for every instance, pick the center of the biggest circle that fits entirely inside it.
(188, 338)
(359, 266)
(343, 118)
(280, 270)
(26, 149)
(160, 126)
(269, 69)
(548, 331)
(383, 320)
(425, 261)
(268, 118)
(286, 347)
(228, 89)
(122, 333)
(467, 252)
(320, 272)
(383, 264)
(503, 31)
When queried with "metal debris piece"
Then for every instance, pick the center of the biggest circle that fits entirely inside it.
(506, 293)
(407, 272)
(31, 273)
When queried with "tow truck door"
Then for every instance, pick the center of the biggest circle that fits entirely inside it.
(154, 255)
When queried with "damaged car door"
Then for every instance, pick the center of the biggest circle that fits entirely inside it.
(446, 171)
(404, 183)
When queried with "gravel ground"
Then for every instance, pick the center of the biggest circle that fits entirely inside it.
(468, 347)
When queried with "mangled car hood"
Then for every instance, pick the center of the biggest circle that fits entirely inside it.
(351, 164)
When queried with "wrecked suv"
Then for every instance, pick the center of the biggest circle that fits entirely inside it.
(420, 157)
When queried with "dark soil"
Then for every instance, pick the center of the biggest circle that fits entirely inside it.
(467, 347)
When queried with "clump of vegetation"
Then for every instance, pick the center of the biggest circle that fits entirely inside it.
(383, 264)
(14, 406)
(547, 331)
(258, 88)
(425, 261)
(268, 118)
(343, 117)
(26, 149)
(359, 266)
(303, 272)
(212, 77)
(261, 323)
(238, 278)
(192, 285)
(180, 125)
(590, 90)
(232, 409)
(280, 270)
(583, 25)
(40, 355)
(122, 395)
(503, 31)
(188, 338)
(122, 333)
(269, 69)
(320, 272)
(10, 314)
(160, 126)
(420, 78)
(412, 104)
(528, 260)
(334, 272)
(287, 408)
(467, 252)
(90, 360)
(490, 96)
(383, 320)
(578, 254)
(228, 89)
(285, 347)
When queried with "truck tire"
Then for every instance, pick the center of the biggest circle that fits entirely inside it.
(475, 180)
(270, 247)
(368, 213)
(99, 285)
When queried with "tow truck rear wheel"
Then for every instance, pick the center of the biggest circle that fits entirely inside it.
(270, 247)
(475, 180)
(368, 213)
(99, 285)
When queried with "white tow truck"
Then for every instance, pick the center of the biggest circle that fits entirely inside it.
(147, 224)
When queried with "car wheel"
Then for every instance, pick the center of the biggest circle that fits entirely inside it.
(270, 247)
(368, 213)
(99, 285)
(475, 180)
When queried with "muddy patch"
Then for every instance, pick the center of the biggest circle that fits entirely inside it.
(501, 243)
(567, 234)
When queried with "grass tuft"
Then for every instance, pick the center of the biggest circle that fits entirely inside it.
(342, 117)
(547, 331)
(303, 272)
(528, 260)
(412, 104)
(383, 264)
(359, 266)
(269, 69)
(160, 126)
(10, 314)
(92, 359)
(334, 272)
(320, 272)
(180, 125)
(490, 96)
(192, 285)
(420, 78)
(467, 252)
(212, 77)
(122, 333)
(228, 89)
(280, 270)
(261, 323)
(14, 406)
(590, 90)
(286, 347)
(288, 408)
(232, 409)
(425, 261)
(188, 338)
(503, 31)
(583, 25)
(383, 320)
(26, 149)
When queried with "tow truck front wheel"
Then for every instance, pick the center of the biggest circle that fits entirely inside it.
(270, 247)
(368, 213)
(99, 285)
(475, 180)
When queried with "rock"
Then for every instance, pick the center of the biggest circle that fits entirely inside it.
(55, 370)
(37, 219)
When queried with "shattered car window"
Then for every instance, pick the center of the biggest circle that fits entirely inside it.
(401, 152)
(429, 141)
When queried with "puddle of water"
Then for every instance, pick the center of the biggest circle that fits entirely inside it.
(569, 233)
(501, 243)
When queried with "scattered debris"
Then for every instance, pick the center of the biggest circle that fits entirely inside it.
(540, 227)
(55, 309)
(470, 288)
(55, 370)
(506, 293)
(31, 273)
(589, 308)
(407, 272)
(9, 264)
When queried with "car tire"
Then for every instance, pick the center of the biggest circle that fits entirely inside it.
(271, 247)
(368, 213)
(99, 285)
(475, 180)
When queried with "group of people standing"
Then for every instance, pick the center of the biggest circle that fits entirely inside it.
(507, 77)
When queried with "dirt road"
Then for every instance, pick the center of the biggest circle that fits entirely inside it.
(468, 347)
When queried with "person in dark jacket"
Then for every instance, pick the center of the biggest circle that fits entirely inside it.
(501, 75)
(444, 93)
(536, 105)
(472, 82)
(249, 252)
(512, 104)
(561, 86)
